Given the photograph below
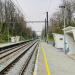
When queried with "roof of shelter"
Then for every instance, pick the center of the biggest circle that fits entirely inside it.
(69, 28)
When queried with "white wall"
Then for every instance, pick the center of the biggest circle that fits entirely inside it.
(59, 40)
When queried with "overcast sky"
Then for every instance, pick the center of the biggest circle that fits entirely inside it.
(36, 10)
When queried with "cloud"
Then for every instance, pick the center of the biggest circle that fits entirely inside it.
(36, 10)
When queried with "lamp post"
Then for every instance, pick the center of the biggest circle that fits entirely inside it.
(45, 31)
(63, 6)
(47, 24)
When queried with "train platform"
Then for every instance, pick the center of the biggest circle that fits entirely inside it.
(8, 43)
(51, 61)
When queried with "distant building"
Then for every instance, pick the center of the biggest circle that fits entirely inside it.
(15, 39)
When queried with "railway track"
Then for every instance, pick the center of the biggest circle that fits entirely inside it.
(6, 50)
(12, 50)
(3, 50)
(16, 62)
(29, 69)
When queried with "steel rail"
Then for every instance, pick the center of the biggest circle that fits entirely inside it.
(4, 54)
(30, 64)
(15, 60)
(3, 51)
(12, 50)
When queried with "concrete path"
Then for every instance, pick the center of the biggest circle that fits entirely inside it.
(54, 62)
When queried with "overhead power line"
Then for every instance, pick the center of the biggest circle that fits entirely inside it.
(29, 22)
(35, 22)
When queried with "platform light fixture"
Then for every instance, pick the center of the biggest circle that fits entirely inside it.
(63, 7)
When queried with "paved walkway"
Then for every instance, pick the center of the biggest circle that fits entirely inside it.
(51, 61)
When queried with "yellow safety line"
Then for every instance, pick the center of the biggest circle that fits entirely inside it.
(46, 62)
